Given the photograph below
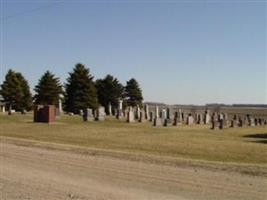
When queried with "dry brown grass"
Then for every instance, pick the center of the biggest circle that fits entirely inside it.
(242, 145)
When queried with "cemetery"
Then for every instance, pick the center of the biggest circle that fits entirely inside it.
(187, 132)
(160, 116)
(106, 114)
(133, 100)
(94, 130)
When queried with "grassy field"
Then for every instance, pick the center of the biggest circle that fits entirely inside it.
(241, 145)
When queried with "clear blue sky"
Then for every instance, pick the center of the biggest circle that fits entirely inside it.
(180, 51)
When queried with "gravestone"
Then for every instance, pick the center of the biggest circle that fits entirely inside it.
(142, 118)
(214, 124)
(180, 117)
(235, 117)
(195, 115)
(60, 109)
(100, 114)
(2, 108)
(177, 119)
(81, 113)
(44, 113)
(160, 114)
(164, 114)
(225, 116)
(88, 115)
(151, 114)
(200, 119)
(256, 122)
(221, 120)
(190, 120)
(207, 117)
(246, 121)
(157, 112)
(147, 114)
(225, 119)
(120, 110)
(220, 116)
(260, 121)
(234, 123)
(221, 123)
(137, 112)
(183, 117)
(165, 122)
(109, 109)
(169, 115)
(240, 122)
(251, 122)
(157, 121)
(130, 115)
(214, 121)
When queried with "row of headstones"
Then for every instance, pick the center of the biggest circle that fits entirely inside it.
(165, 117)
(93, 115)
(218, 121)
(180, 118)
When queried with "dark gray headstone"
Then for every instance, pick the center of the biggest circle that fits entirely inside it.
(240, 122)
(151, 114)
(256, 121)
(165, 123)
(177, 119)
(221, 123)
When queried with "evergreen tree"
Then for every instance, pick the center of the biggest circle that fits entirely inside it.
(109, 90)
(133, 93)
(48, 90)
(26, 102)
(80, 90)
(12, 91)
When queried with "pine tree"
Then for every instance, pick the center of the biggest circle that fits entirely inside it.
(26, 102)
(12, 91)
(80, 90)
(109, 90)
(48, 90)
(133, 93)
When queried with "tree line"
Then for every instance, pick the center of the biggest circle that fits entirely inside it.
(79, 92)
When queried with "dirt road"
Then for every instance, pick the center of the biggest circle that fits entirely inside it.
(38, 172)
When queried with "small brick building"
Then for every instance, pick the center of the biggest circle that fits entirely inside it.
(44, 113)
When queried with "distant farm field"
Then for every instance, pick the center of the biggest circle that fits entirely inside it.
(240, 145)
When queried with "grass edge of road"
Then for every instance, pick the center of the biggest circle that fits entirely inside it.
(243, 168)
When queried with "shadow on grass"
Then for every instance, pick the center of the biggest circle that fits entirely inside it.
(260, 141)
(257, 135)
(262, 136)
